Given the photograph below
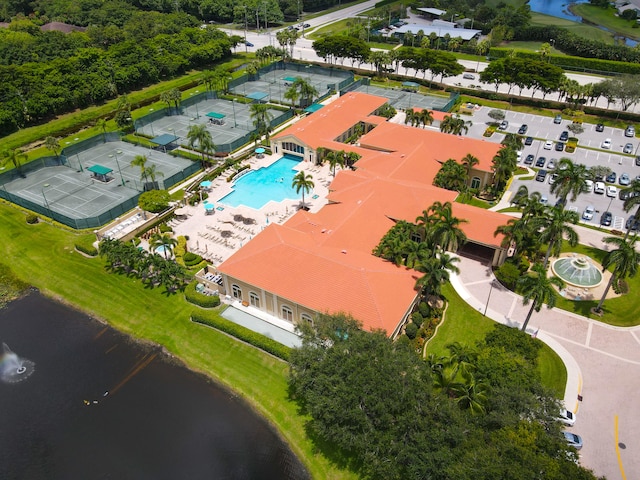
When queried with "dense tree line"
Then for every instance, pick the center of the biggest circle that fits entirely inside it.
(43, 74)
(478, 413)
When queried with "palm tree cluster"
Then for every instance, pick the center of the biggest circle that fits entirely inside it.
(153, 269)
(417, 119)
(301, 89)
(337, 158)
(261, 116)
(200, 136)
(456, 176)
(423, 245)
(455, 376)
(455, 125)
(147, 173)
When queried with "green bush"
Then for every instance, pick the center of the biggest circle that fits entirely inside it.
(164, 228)
(514, 341)
(191, 259)
(213, 319)
(424, 309)
(417, 318)
(197, 298)
(621, 287)
(154, 201)
(32, 218)
(411, 330)
(87, 250)
(508, 275)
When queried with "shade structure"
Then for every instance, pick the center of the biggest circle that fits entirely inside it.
(216, 115)
(205, 184)
(208, 206)
(260, 150)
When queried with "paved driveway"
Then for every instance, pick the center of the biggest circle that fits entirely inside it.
(603, 366)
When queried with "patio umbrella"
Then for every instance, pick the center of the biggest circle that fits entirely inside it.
(209, 206)
(205, 184)
(260, 150)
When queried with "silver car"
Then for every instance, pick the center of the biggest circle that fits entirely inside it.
(573, 440)
(628, 148)
(588, 213)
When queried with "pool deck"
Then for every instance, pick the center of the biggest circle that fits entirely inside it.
(216, 235)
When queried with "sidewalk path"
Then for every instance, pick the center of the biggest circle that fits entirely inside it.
(603, 365)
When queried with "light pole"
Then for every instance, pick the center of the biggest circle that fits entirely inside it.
(151, 124)
(46, 203)
(488, 298)
(233, 104)
(196, 104)
(118, 164)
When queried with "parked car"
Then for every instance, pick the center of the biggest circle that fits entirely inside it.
(632, 223)
(529, 141)
(605, 219)
(628, 148)
(559, 146)
(541, 161)
(625, 194)
(600, 127)
(552, 178)
(564, 136)
(588, 213)
(468, 76)
(548, 145)
(523, 129)
(588, 186)
(612, 191)
(529, 160)
(611, 178)
(630, 131)
(557, 119)
(503, 125)
(638, 161)
(567, 417)
(624, 179)
(248, 44)
(606, 144)
(308, 25)
(561, 202)
(542, 175)
(573, 440)
(552, 164)
(599, 188)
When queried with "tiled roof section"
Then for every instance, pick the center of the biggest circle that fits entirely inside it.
(437, 115)
(423, 145)
(322, 127)
(481, 223)
(285, 262)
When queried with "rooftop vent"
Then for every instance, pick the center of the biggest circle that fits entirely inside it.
(344, 251)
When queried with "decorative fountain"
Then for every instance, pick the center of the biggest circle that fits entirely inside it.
(14, 369)
(578, 271)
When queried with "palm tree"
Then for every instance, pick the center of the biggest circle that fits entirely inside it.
(101, 124)
(425, 117)
(513, 141)
(151, 172)
(410, 116)
(503, 166)
(469, 161)
(292, 94)
(208, 79)
(306, 89)
(51, 143)
(624, 261)
(436, 270)
(454, 125)
(261, 116)
(633, 200)
(140, 161)
(538, 288)
(335, 159)
(446, 230)
(163, 240)
(555, 228)
(16, 156)
(569, 180)
(302, 182)
(200, 135)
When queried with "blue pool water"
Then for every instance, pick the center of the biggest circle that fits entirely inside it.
(258, 187)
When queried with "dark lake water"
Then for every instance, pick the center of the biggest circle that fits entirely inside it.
(158, 420)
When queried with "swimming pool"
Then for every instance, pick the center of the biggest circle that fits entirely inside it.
(258, 187)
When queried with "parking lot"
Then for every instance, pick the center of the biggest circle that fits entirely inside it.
(589, 153)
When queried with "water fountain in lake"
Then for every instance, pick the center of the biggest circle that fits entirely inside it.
(14, 369)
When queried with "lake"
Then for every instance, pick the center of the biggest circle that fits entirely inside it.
(99, 405)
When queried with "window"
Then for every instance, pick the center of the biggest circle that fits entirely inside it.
(287, 313)
(292, 147)
(236, 291)
(475, 182)
(254, 299)
(415, 237)
(306, 318)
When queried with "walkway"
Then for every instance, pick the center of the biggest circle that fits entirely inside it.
(603, 366)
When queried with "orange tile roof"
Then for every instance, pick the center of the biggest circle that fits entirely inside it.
(437, 115)
(324, 260)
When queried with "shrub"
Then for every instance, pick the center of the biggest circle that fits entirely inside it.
(424, 309)
(154, 201)
(197, 298)
(32, 218)
(416, 317)
(514, 341)
(213, 319)
(508, 275)
(136, 241)
(411, 330)
(164, 228)
(87, 250)
(621, 287)
(191, 259)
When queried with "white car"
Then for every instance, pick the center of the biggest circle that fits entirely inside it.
(606, 144)
(599, 188)
(588, 186)
(612, 191)
(573, 440)
(567, 417)
(588, 213)
(548, 145)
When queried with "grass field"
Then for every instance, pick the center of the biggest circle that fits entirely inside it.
(608, 18)
(532, 46)
(586, 31)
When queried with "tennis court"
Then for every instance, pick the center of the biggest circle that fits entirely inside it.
(75, 192)
(275, 83)
(401, 99)
(227, 121)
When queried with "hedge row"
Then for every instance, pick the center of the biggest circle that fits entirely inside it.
(197, 298)
(91, 250)
(568, 62)
(213, 319)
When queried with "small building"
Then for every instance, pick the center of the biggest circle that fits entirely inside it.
(441, 31)
(431, 13)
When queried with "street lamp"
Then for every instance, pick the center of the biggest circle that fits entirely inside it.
(488, 297)
(46, 203)
(118, 164)
(233, 104)
(196, 104)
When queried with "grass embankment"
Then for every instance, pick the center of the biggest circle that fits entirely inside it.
(606, 17)
(44, 256)
(583, 30)
(465, 325)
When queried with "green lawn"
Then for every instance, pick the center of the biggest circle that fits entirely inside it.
(606, 17)
(465, 325)
(586, 31)
(532, 46)
(44, 256)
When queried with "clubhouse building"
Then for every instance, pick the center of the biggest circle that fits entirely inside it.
(322, 262)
